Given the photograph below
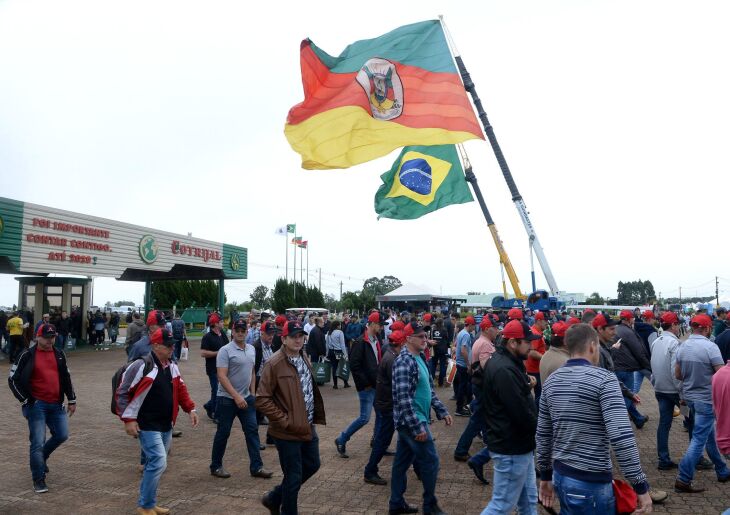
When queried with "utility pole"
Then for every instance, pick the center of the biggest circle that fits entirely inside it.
(320, 279)
(680, 297)
(717, 292)
(340, 290)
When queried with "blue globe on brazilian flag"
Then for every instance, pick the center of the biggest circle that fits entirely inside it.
(422, 179)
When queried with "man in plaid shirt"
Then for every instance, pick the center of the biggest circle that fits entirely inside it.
(413, 398)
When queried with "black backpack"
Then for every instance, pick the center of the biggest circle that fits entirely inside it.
(149, 363)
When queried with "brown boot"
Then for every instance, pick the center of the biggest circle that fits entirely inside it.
(145, 511)
(159, 510)
(687, 488)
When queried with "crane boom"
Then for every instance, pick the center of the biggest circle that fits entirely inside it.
(516, 197)
(503, 257)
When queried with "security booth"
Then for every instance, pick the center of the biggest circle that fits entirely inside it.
(39, 240)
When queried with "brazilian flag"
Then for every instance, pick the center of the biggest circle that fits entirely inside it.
(422, 179)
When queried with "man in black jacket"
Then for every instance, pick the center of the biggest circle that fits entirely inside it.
(365, 355)
(384, 426)
(316, 344)
(39, 380)
(629, 357)
(511, 421)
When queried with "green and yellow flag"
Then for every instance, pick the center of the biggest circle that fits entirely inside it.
(422, 179)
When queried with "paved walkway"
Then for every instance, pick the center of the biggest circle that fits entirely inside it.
(95, 470)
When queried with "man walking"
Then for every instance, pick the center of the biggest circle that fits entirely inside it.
(629, 357)
(666, 385)
(365, 356)
(16, 343)
(40, 379)
(211, 343)
(290, 399)
(697, 361)
(581, 399)
(464, 342)
(236, 397)
(384, 426)
(135, 331)
(148, 406)
(511, 419)
(155, 321)
(179, 334)
(413, 399)
(532, 364)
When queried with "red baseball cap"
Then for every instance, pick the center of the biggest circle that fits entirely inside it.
(375, 318)
(602, 321)
(572, 321)
(214, 319)
(626, 315)
(155, 317)
(485, 324)
(648, 314)
(280, 320)
(559, 328)
(669, 317)
(518, 330)
(292, 328)
(470, 320)
(46, 331)
(414, 328)
(514, 314)
(427, 317)
(397, 326)
(701, 321)
(162, 337)
(397, 337)
(539, 316)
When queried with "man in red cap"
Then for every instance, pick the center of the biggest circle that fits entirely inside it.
(365, 355)
(556, 356)
(40, 380)
(155, 320)
(515, 314)
(211, 343)
(481, 352)
(511, 420)
(464, 342)
(666, 385)
(532, 364)
(384, 426)
(697, 361)
(629, 357)
(280, 320)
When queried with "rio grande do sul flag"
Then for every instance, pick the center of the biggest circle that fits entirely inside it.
(380, 94)
(422, 180)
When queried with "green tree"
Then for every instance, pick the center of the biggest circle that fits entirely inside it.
(283, 298)
(350, 301)
(167, 293)
(374, 286)
(260, 297)
(636, 292)
(595, 298)
(121, 303)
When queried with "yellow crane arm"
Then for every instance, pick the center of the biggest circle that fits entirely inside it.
(504, 258)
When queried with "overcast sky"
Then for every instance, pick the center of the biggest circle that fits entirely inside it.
(613, 117)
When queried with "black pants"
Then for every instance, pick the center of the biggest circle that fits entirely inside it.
(299, 461)
(463, 387)
(332, 357)
(15, 347)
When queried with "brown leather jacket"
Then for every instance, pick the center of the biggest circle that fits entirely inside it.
(279, 396)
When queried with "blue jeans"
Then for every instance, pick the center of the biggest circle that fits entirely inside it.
(514, 485)
(299, 461)
(629, 381)
(211, 404)
(226, 412)
(476, 425)
(367, 398)
(39, 415)
(383, 435)
(440, 360)
(155, 446)
(639, 376)
(703, 437)
(583, 497)
(425, 458)
(667, 402)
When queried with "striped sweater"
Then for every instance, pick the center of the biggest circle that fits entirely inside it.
(582, 411)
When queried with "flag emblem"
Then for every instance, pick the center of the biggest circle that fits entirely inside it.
(383, 87)
(415, 175)
(419, 177)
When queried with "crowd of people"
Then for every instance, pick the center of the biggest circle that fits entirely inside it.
(551, 396)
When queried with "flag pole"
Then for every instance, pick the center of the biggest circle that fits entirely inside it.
(286, 253)
(489, 131)
(295, 266)
(307, 264)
